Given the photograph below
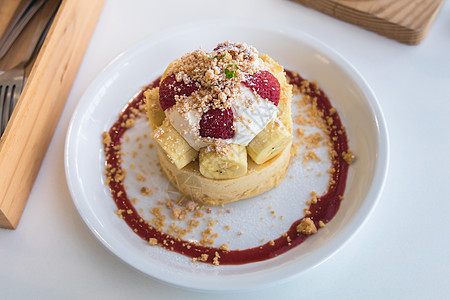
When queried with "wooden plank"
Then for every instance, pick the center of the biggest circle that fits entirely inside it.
(25, 141)
(403, 20)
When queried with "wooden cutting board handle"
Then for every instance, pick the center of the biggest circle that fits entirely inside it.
(406, 21)
(30, 130)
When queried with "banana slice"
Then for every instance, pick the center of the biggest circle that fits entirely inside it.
(155, 113)
(269, 142)
(175, 146)
(228, 162)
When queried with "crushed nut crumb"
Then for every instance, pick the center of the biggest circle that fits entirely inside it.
(306, 226)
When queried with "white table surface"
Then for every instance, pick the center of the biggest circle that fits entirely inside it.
(402, 252)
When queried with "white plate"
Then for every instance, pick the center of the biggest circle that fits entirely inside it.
(297, 51)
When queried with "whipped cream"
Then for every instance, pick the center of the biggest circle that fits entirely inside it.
(187, 124)
(220, 76)
(251, 115)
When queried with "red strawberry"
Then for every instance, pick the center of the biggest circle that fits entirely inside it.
(266, 85)
(217, 123)
(170, 87)
(223, 46)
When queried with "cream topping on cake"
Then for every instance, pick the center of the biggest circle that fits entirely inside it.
(219, 78)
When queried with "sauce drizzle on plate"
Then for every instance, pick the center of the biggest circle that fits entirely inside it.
(320, 211)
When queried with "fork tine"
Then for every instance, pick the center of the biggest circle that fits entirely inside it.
(11, 100)
(11, 84)
(2, 102)
(6, 107)
(17, 89)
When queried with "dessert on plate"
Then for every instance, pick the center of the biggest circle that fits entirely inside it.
(222, 122)
(223, 126)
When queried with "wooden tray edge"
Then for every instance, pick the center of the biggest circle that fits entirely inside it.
(398, 32)
(25, 141)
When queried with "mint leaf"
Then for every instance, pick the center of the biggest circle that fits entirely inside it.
(229, 73)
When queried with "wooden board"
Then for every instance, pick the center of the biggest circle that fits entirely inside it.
(406, 21)
(28, 134)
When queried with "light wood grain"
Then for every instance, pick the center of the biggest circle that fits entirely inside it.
(25, 141)
(406, 21)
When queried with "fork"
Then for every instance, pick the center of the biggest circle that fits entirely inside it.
(13, 80)
(11, 85)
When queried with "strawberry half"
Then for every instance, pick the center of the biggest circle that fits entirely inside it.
(217, 123)
(170, 87)
(265, 85)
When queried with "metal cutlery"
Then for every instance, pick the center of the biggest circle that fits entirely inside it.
(22, 15)
(13, 80)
